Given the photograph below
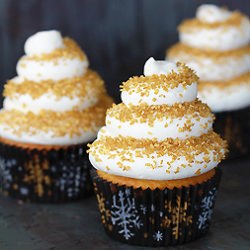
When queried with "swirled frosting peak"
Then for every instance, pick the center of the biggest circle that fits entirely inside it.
(43, 42)
(153, 67)
(215, 44)
(163, 83)
(161, 131)
(55, 98)
(211, 13)
(215, 28)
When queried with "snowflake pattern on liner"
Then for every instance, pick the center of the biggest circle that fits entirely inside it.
(207, 204)
(5, 172)
(143, 209)
(124, 214)
(158, 236)
(72, 178)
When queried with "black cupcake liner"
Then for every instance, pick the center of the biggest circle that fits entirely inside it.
(156, 217)
(234, 126)
(46, 176)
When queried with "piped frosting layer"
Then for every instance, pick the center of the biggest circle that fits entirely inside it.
(216, 45)
(215, 28)
(157, 140)
(55, 99)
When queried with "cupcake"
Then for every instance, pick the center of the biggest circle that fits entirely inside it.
(216, 45)
(156, 159)
(52, 109)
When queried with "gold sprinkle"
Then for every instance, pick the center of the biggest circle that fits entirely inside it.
(70, 50)
(144, 84)
(149, 114)
(73, 87)
(70, 123)
(190, 25)
(198, 172)
(175, 148)
(177, 51)
(237, 81)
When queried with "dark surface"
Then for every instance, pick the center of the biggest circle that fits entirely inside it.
(77, 225)
(117, 35)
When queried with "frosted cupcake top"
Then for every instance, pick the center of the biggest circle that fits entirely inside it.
(55, 98)
(216, 28)
(161, 131)
(216, 45)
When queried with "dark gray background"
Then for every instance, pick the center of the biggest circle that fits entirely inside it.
(117, 35)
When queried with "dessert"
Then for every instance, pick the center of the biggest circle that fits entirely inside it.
(216, 45)
(52, 109)
(156, 159)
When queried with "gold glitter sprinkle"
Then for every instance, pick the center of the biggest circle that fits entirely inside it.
(71, 123)
(193, 24)
(189, 148)
(71, 50)
(180, 49)
(237, 81)
(198, 172)
(73, 87)
(144, 84)
(149, 114)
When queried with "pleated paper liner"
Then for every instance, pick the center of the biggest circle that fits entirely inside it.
(44, 174)
(156, 217)
(234, 127)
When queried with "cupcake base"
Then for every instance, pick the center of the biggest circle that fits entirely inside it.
(47, 174)
(234, 127)
(156, 217)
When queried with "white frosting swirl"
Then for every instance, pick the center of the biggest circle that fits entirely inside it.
(210, 69)
(221, 37)
(210, 13)
(43, 42)
(35, 68)
(233, 97)
(26, 103)
(138, 169)
(180, 94)
(177, 95)
(159, 130)
(136, 161)
(46, 138)
(56, 69)
(153, 67)
(49, 101)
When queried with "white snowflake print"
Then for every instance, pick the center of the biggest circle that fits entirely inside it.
(206, 209)
(124, 214)
(143, 209)
(152, 208)
(5, 172)
(71, 180)
(158, 236)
